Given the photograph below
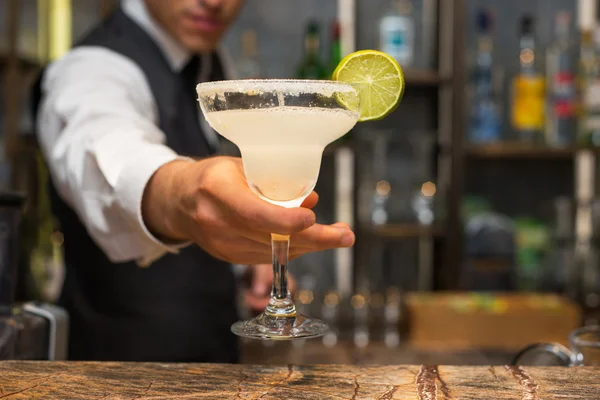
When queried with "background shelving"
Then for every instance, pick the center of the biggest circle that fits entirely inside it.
(433, 114)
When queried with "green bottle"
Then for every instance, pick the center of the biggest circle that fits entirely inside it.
(311, 66)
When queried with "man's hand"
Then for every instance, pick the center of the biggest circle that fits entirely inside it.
(210, 203)
(258, 292)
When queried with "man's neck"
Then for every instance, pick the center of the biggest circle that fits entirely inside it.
(176, 54)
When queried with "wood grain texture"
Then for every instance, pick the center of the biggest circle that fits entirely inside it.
(145, 381)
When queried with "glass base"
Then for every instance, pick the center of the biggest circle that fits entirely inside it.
(266, 326)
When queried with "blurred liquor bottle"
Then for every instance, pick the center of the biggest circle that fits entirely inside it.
(528, 87)
(589, 84)
(248, 67)
(360, 313)
(560, 275)
(485, 126)
(490, 262)
(396, 328)
(311, 66)
(561, 64)
(330, 313)
(533, 248)
(397, 32)
(589, 269)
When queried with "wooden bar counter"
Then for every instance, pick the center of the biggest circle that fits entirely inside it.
(86, 380)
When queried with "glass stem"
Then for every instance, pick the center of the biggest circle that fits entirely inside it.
(280, 304)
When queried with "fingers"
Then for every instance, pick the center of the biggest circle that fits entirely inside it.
(232, 223)
(342, 225)
(262, 278)
(323, 237)
(246, 258)
(256, 214)
(311, 200)
(258, 237)
(265, 238)
(316, 238)
(251, 247)
(256, 303)
(238, 250)
(222, 183)
(258, 294)
(291, 283)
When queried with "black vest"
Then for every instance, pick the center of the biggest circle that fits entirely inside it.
(181, 307)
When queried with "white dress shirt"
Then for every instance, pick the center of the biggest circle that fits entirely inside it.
(98, 130)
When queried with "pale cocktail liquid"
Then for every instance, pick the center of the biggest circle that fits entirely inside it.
(282, 146)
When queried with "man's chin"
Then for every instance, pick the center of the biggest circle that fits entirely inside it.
(201, 46)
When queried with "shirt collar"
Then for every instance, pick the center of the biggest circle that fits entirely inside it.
(175, 53)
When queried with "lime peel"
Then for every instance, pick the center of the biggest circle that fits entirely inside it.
(380, 78)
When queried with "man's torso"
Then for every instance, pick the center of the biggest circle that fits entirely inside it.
(179, 308)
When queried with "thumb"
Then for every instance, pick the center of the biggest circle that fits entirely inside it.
(262, 279)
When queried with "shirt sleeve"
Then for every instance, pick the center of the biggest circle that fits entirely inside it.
(97, 130)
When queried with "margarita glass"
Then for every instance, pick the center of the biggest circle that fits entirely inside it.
(281, 128)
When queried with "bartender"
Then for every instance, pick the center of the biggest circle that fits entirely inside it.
(153, 218)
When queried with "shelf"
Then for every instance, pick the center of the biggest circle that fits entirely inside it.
(423, 77)
(516, 150)
(407, 230)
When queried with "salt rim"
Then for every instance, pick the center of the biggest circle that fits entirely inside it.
(287, 86)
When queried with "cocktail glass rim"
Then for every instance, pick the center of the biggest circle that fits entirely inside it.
(299, 85)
